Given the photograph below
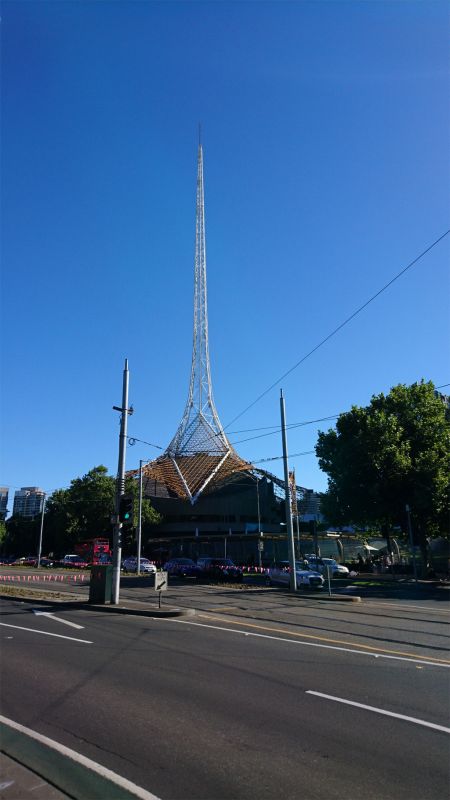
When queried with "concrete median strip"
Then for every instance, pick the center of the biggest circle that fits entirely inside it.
(76, 775)
(142, 610)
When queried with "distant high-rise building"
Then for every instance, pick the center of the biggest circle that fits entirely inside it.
(3, 501)
(310, 506)
(28, 501)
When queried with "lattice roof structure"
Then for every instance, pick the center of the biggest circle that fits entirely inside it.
(199, 457)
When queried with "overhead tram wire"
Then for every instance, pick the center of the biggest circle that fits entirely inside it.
(133, 439)
(278, 458)
(339, 327)
(276, 428)
(273, 429)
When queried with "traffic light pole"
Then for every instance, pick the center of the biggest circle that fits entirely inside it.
(117, 532)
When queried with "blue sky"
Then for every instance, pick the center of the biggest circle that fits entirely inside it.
(325, 133)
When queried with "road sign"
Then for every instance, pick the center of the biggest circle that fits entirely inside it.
(161, 581)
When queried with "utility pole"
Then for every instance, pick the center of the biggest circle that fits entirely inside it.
(315, 539)
(117, 532)
(41, 532)
(290, 534)
(139, 531)
(298, 534)
(260, 544)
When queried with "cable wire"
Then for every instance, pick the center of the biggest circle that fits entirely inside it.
(339, 327)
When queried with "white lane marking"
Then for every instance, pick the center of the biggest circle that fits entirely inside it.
(57, 619)
(380, 711)
(79, 759)
(45, 633)
(305, 644)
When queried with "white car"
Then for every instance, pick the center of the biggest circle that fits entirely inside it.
(280, 573)
(322, 564)
(130, 565)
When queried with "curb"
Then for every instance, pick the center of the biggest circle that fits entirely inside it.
(141, 612)
(75, 602)
(346, 598)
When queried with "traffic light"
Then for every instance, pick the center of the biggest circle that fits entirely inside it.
(126, 509)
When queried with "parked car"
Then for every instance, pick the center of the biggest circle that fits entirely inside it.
(321, 565)
(26, 561)
(280, 573)
(222, 569)
(182, 568)
(130, 565)
(47, 562)
(73, 561)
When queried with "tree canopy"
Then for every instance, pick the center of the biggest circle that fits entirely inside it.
(392, 453)
(82, 511)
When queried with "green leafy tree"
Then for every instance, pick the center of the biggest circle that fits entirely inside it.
(83, 511)
(391, 453)
(60, 524)
(2, 534)
(150, 517)
(92, 499)
(22, 535)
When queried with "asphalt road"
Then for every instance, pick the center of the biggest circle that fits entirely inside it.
(247, 699)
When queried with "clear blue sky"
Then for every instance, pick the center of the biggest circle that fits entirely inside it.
(325, 133)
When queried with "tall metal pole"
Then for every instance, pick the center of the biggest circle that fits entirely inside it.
(290, 534)
(411, 542)
(41, 532)
(117, 543)
(139, 531)
(259, 524)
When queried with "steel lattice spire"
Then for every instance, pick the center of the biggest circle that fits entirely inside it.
(199, 457)
(200, 429)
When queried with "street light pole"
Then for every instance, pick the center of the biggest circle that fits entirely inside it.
(139, 531)
(293, 576)
(260, 545)
(41, 532)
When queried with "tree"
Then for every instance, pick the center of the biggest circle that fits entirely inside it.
(92, 499)
(391, 453)
(83, 511)
(150, 516)
(2, 534)
(22, 535)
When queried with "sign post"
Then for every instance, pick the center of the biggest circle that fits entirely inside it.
(328, 576)
(161, 582)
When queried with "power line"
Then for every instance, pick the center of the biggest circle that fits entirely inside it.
(342, 325)
(276, 428)
(277, 458)
(292, 426)
(273, 429)
(133, 439)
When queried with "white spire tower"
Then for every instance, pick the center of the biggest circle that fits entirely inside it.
(200, 430)
(199, 457)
